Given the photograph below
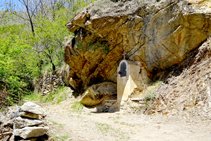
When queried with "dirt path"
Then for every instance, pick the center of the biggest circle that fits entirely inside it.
(66, 123)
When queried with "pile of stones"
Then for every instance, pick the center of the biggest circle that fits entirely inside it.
(25, 123)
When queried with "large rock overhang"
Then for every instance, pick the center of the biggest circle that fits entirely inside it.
(160, 34)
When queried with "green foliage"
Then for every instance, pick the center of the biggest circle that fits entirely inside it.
(17, 64)
(77, 106)
(58, 124)
(103, 127)
(97, 45)
(55, 97)
(94, 46)
(24, 55)
(61, 138)
(151, 91)
(151, 95)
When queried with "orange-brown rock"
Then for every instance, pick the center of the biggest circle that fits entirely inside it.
(160, 34)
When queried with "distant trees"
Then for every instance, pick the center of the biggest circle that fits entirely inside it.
(46, 19)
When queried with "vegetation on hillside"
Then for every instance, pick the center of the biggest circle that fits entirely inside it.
(32, 44)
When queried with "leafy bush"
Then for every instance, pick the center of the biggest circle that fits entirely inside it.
(18, 66)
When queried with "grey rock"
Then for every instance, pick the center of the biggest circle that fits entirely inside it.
(12, 138)
(21, 123)
(33, 108)
(29, 132)
(13, 112)
(8, 123)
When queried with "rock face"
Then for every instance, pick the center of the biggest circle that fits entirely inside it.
(157, 33)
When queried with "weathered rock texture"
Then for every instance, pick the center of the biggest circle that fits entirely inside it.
(97, 94)
(159, 34)
(31, 107)
(29, 126)
(29, 132)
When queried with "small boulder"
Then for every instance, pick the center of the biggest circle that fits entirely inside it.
(95, 94)
(33, 108)
(29, 132)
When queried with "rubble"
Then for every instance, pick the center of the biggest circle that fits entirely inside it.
(24, 123)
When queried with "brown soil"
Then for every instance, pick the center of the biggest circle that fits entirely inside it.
(66, 123)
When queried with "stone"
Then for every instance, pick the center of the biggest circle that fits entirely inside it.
(29, 132)
(1, 118)
(31, 139)
(29, 115)
(95, 94)
(8, 123)
(49, 81)
(159, 33)
(12, 138)
(33, 108)
(6, 138)
(23, 122)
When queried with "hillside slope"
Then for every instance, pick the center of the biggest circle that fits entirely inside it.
(186, 87)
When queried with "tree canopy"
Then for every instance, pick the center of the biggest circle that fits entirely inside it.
(33, 42)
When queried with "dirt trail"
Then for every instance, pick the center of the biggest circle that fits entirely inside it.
(67, 123)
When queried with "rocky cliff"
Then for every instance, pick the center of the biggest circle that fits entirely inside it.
(158, 33)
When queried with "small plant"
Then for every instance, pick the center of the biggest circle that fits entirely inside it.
(57, 96)
(123, 123)
(103, 127)
(151, 91)
(58, 124)
(116, 121)
(96, 45)
(150, 96)
(62, 138)
(77, 106)
(118, 117)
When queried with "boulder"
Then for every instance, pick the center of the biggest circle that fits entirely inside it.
(29, 132)
(33, 108)
(95, 94)
(160, 33)
(23, 122)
